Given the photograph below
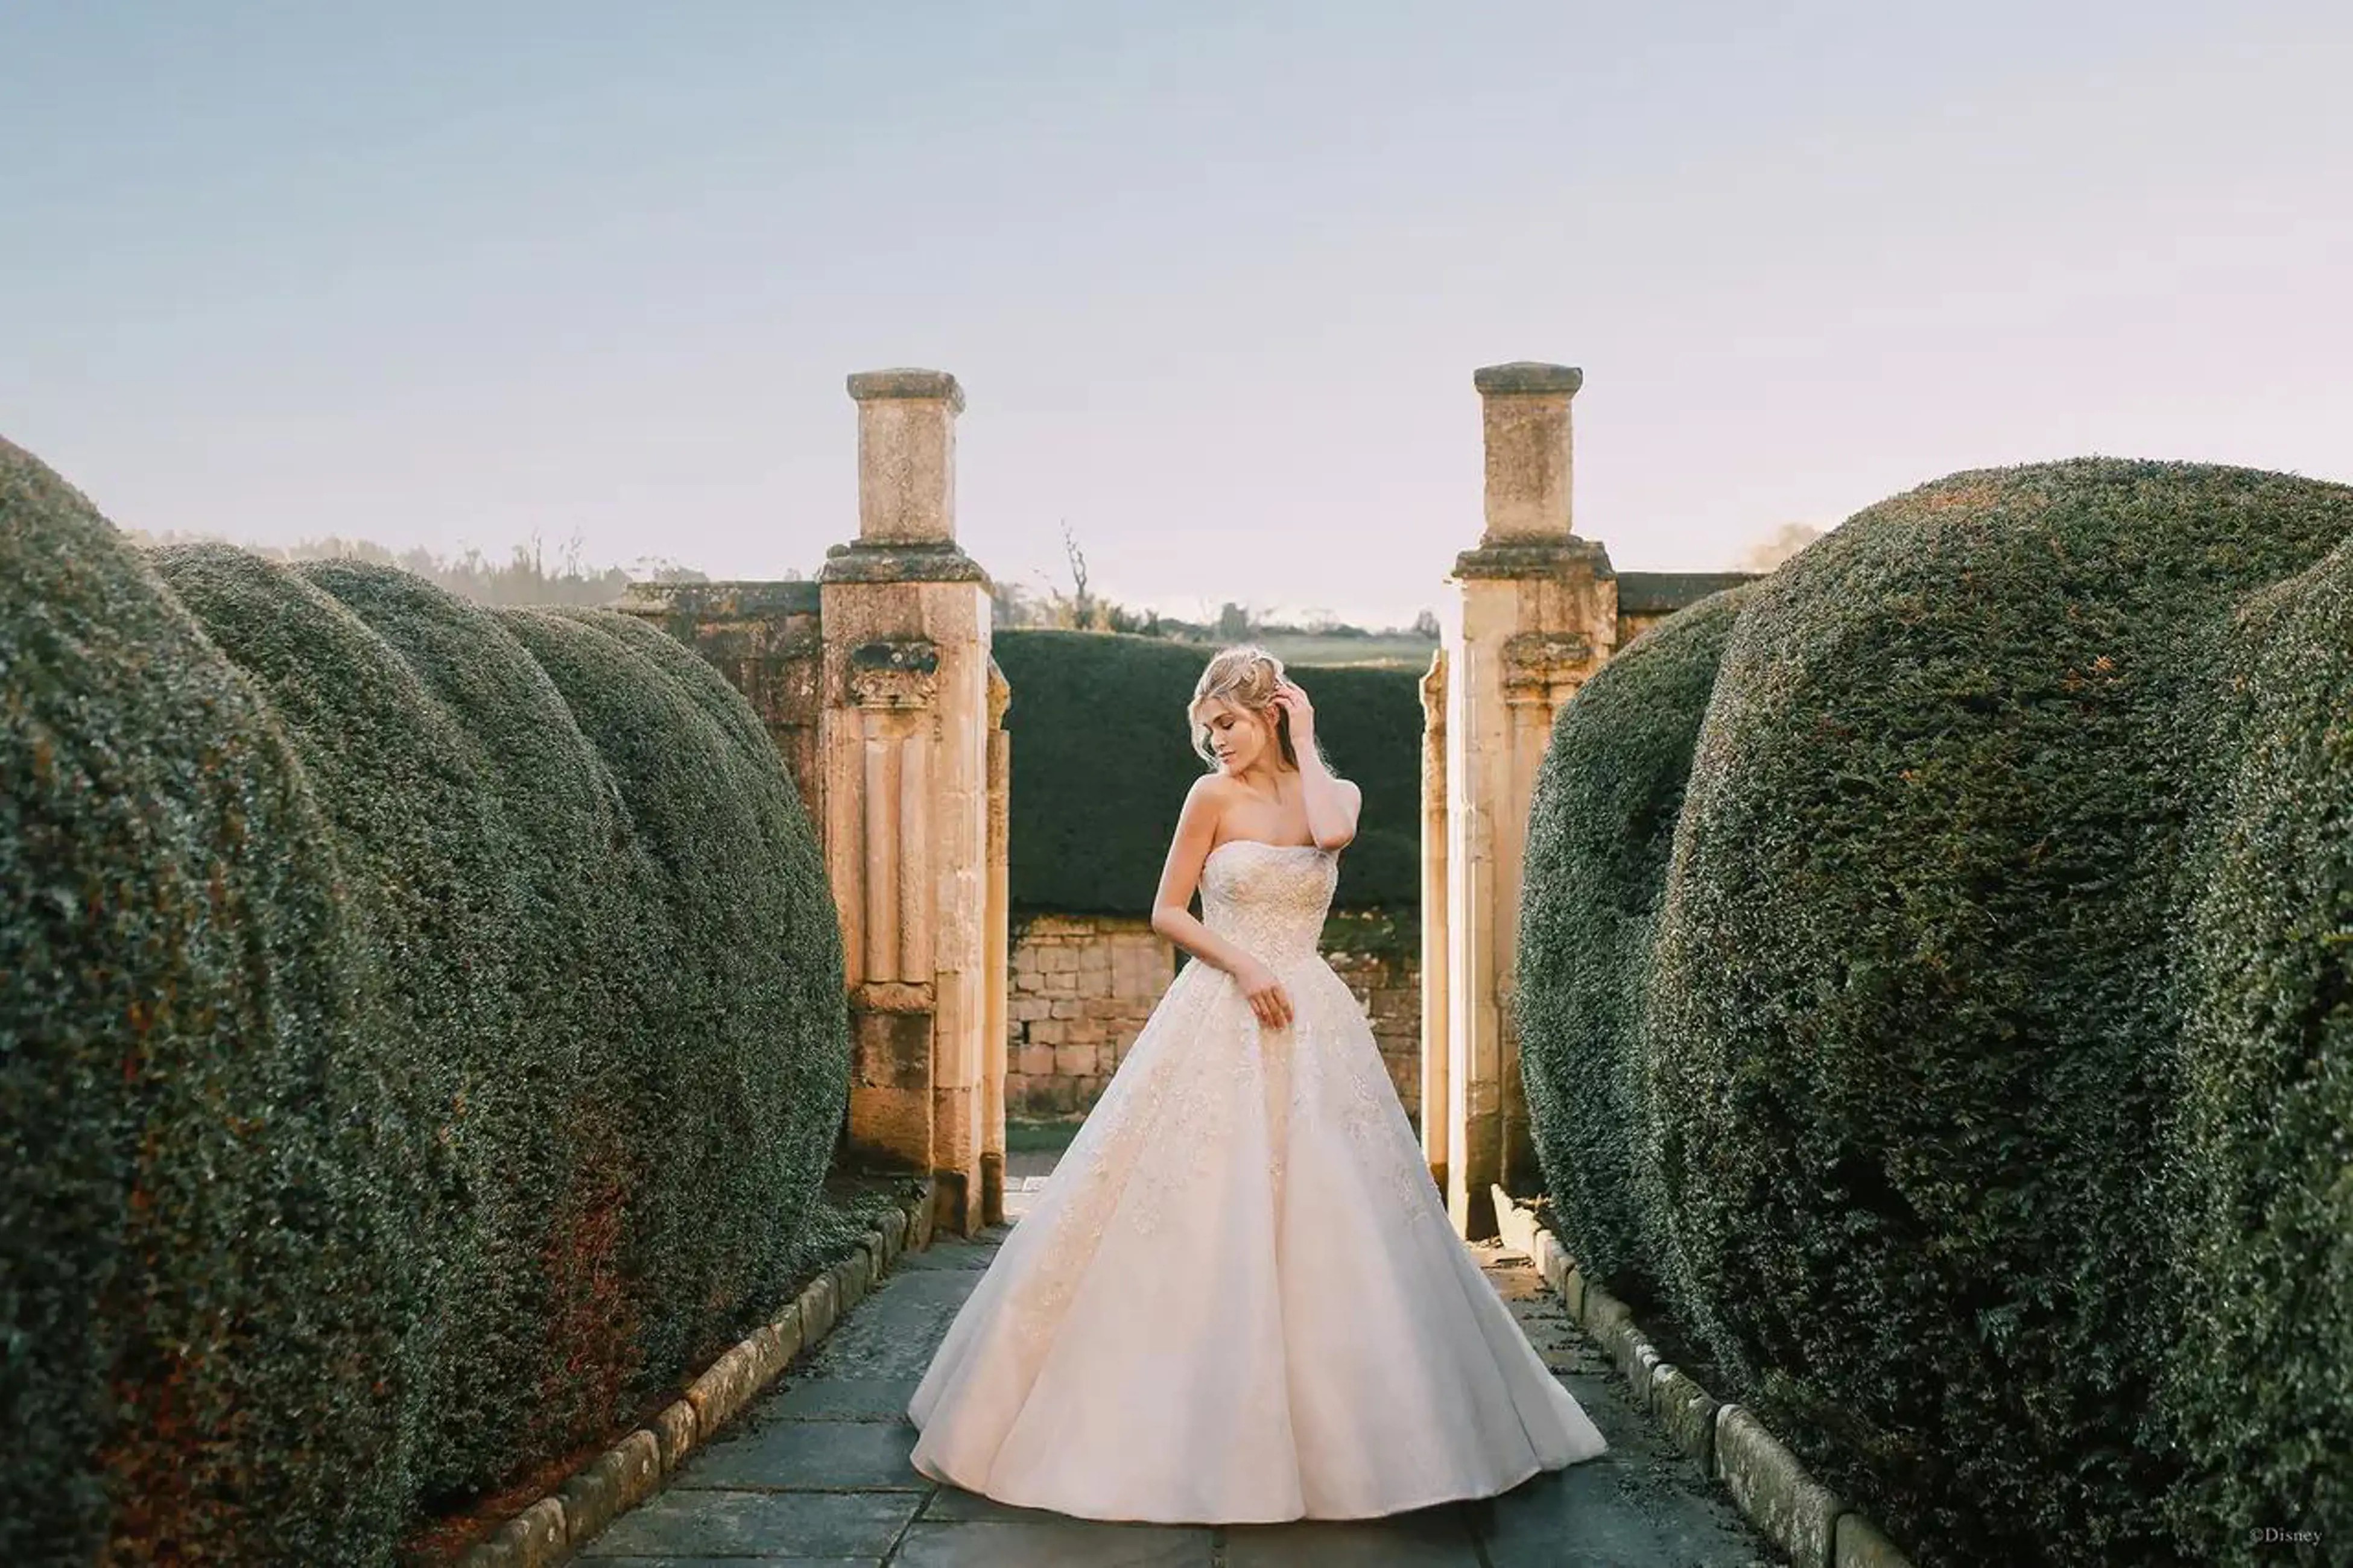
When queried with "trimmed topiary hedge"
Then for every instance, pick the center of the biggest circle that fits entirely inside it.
(2259, 1385)
(1600, 831)
(744, 1080)
(1914, 1003)
(402, 1083)
(203, 1292)
(1100, 763)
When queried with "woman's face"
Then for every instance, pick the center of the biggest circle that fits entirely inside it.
(1237, 735)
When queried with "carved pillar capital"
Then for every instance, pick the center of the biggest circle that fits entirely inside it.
(895, 673)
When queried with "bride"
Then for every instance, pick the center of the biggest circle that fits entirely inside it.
(1238, 1298)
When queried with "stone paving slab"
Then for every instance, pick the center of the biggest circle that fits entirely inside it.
(810, 1456)
(818, 1473)
(686, 1521)
(1065, 1543)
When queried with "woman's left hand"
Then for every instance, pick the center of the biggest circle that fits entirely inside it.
(1293, 702)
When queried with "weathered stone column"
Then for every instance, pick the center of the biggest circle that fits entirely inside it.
(1538, 615)
(998, 928)
(1435, 1119)
(903, 743)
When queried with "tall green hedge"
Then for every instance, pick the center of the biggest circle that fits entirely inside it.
(483, 1042)
(1914, 1003)
(1102, 762)
(742, 1076)
(2260, 1383)
(1600, 832)
(202, 1293)
(421, 1037)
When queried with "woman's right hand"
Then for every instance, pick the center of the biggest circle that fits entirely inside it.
(1267, 997)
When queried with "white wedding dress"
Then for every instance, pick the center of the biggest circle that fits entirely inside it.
(1238, 1298)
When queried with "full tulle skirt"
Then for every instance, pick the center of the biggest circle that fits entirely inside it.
(1238, 1298)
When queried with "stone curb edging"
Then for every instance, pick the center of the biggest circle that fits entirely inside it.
(550, 1531)
(1732, 1446)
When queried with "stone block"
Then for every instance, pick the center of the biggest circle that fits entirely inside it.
(852, 1277)
(1071, 1061)
(817, 1306)
(1600, 1310)
(677, 1431)
(892, 1123)
(1047, 1032)
(610, 1486)
(1860, 1545)
(1035, 1060)
(1028, 1010)
(1797, 1512)
(1688, 1413)
(786, 1325)
(723, 1388)
(535, 1538)
(1572, 1290)
(894, 1236)
(1063, 980)
(1635, 1357)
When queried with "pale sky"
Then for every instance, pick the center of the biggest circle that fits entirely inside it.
(1215, 282)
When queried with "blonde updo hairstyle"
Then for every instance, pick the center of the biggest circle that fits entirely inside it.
(1245, 676)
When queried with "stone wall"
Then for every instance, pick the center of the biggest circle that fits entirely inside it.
(767, 639)
(1078, 990)
(1379, 956)
(1081, 987)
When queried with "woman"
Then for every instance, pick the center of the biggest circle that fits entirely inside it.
(1238, 1298)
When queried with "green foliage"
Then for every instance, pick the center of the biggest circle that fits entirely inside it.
(1600, 832)
(1915, 1015)
(742, 1077)
(1100, 763)
(2260, 1381)
(200, 1294)
(401, 1083)
(479, 1028)
(532, 901)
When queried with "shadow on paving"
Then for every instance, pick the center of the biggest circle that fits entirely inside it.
(818, 1473)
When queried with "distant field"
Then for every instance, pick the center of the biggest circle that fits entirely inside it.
(1310, 651)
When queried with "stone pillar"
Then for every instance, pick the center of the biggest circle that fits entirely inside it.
(904, 746)
(1536, 615)
(999, 957)
(1435, 1120)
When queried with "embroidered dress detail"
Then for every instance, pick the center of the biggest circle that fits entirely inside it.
(1238, 1297)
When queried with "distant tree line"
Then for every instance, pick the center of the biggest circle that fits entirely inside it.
(526, 577)
(1080, 608)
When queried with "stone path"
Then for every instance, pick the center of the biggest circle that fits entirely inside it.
(818, 1473)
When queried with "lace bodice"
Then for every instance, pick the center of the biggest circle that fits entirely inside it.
(1269, 900)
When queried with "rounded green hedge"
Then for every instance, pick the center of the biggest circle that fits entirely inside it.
(202, 1296)
(2260, 1383)
(1600, 831)
(554, 1344)
(402, 1083)
(748, 1079)
(1915, 1010)
(481, 1045)
(1100, 763)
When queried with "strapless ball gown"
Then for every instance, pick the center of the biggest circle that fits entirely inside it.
(1238, 1298)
